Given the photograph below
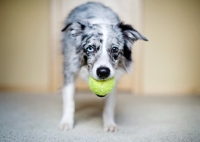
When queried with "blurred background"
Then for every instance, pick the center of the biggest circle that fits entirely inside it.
(30, 58)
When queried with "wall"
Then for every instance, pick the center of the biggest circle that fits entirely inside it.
(24, 44)
(172, 55)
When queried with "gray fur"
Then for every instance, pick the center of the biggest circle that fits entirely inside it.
(90, 11)
(83, 33)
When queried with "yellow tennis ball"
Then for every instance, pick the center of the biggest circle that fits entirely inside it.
(101, 87)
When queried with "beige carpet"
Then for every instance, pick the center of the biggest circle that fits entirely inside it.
(35, 118)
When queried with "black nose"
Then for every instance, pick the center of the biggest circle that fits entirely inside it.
(103, 72)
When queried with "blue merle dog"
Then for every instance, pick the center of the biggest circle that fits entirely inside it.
(95, 43)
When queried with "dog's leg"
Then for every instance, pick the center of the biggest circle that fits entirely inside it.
(108, 113)
(67, 121)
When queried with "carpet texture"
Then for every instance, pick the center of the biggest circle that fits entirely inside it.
(35, 118)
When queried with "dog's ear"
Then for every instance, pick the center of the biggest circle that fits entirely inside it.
(130, 35)
(75, 28)
(72, 33)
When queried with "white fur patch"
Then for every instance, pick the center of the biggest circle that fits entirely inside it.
(103, 60)
(84, 74)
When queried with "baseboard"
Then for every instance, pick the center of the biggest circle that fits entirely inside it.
(163, 90)
(24, 89)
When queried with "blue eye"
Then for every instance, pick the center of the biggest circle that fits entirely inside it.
(90, 49)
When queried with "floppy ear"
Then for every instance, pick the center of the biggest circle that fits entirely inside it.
(130, 35)
(72, 34)
(75, 28)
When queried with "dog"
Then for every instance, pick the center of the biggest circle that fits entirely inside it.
(95, 43)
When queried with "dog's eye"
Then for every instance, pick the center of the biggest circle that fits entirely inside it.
(115, 50)
(90, 49)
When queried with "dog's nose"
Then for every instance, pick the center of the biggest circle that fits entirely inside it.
(103, 72)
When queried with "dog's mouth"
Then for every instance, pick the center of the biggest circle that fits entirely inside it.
(101, 96)
(103, 79)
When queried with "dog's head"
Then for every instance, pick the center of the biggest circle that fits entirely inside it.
(103, 47)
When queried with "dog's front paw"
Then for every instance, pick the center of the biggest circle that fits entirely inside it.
(110, 128)
(66, 125)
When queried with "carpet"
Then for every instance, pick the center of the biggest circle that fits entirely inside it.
(35, 118)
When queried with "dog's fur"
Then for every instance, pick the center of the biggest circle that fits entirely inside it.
(94, 37)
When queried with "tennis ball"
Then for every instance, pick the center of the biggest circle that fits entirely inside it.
(101, 87)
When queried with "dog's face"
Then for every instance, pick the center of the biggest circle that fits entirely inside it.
(103, 47)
